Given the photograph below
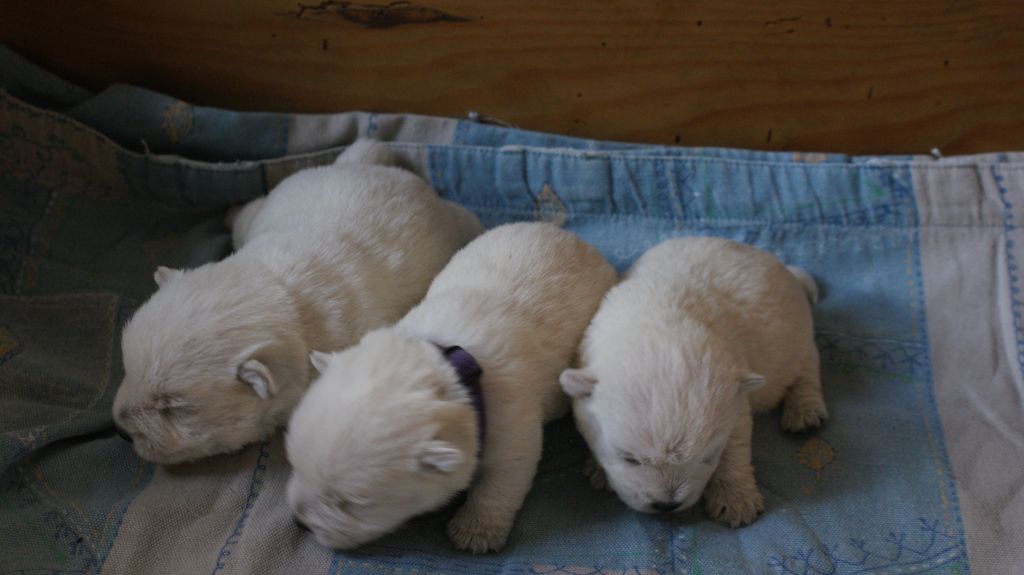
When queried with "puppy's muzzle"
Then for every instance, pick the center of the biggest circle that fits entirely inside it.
(665, 506)
(122, 433)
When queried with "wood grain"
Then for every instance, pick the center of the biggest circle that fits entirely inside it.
(859, 77)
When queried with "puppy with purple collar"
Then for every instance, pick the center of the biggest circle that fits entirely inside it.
(454, 396)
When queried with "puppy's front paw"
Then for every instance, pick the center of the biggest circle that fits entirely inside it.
(473, 530)
(733, 505)
(803, 413)
(595, 473)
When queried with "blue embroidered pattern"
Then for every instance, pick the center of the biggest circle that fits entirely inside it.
(891, 356)
(64, 535)
(255, 486)
(1009, 227)
(896, 553)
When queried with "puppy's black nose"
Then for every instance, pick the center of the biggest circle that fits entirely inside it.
(665, 505)
(123, 434)
(300, 524)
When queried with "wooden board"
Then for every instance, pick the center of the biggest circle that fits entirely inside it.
(869, 76)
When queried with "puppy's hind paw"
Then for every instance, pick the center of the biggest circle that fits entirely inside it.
(733, 506)
(475, 532)
(595, 473)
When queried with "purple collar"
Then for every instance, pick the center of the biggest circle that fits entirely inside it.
(469, 372)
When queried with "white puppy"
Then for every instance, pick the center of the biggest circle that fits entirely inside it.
(392, 428)
(219, 355)
(701, 332)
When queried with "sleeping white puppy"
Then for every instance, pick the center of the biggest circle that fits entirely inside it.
(219, 356)
(400, 423)
(700, 333)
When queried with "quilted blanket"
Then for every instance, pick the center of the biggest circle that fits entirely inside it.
(919, 469)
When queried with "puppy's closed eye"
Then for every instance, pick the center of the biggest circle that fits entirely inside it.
(169, 405)
(348, 503)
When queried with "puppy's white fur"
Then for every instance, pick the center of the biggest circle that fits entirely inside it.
(388, 431)
(218, 356)
(701, 332)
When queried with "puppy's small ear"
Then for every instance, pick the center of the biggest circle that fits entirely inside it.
(319, 360)
(163, 275)
(750, 382)
(256, 375)
(440, 455)
(577, 382)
